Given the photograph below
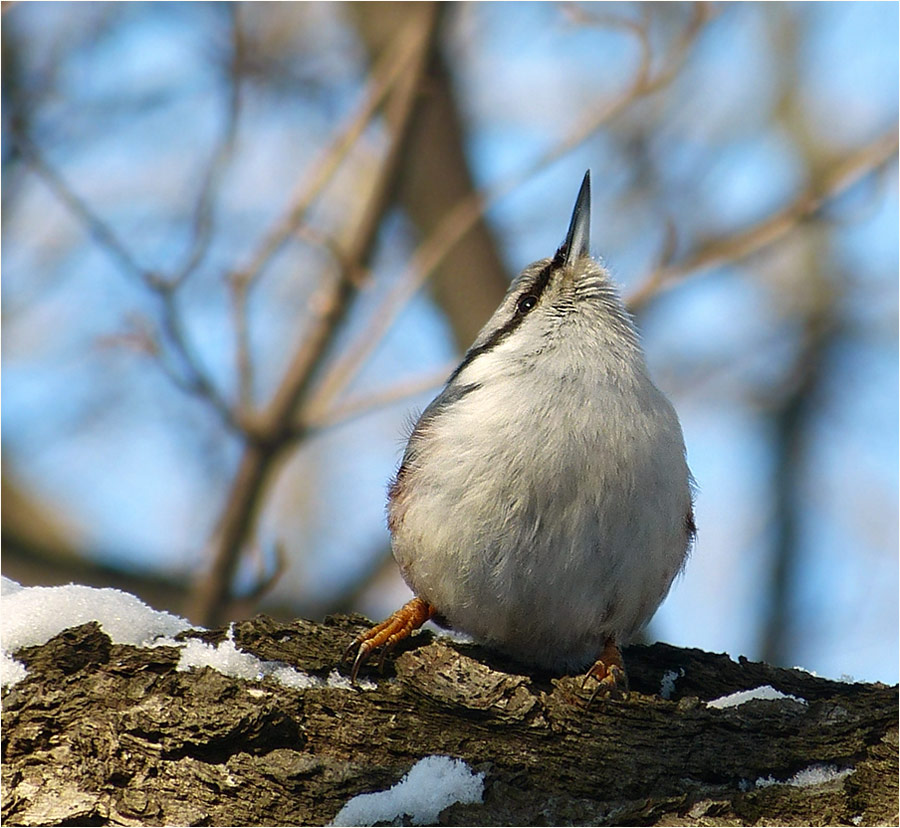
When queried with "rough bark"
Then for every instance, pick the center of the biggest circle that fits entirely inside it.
(108, 734)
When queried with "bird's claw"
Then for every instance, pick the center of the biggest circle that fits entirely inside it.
(610, 681)
(609, 673)
(387, 634)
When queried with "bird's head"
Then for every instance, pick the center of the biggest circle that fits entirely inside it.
(565, 309)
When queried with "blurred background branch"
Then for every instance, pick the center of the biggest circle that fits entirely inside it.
(274, 435)
(189, 376)
(830, 184)
(243, 241)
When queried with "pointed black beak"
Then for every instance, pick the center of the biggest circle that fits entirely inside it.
(578, 239)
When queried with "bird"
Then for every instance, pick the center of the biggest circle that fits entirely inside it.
(543, 504)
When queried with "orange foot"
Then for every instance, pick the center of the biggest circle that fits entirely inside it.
(388, 633)
(608, 671)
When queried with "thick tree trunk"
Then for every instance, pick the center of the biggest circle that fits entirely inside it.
(107, 734)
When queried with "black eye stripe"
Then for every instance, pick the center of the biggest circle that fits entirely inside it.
(534, 291)
(542, 280)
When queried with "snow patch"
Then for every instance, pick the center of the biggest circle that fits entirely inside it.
(743, 696)
(813, 775)
(224, 657)
(432, 784)
(844, 678)
(667, 685)
(451, 635)
(228, 659)
(33, 615)
(11, 671)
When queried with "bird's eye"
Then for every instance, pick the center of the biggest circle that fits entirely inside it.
(526, 303)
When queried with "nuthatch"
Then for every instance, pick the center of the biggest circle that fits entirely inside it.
(544, 504)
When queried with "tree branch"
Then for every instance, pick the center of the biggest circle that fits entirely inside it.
(459, 220)
(195, 380)
(396, 65)
(204, 210)
(102, 233)
(275, 430)
(735, 246)
(92, 736)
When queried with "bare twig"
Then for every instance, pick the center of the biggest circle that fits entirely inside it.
(640, 29)
(190, 376)
(843, 175)
(315, 344)
(103, 234)
(204, 210)
(274, 431)
(195, 380)
(645, 82)
(366, 403)
(385, 75)
(265, 582)
(460, 219)
(237, 293)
